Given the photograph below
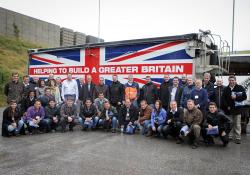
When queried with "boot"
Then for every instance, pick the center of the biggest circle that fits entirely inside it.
(149, 134)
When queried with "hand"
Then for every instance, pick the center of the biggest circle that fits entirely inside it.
(14, 125)
(99, 113)
(153, 128)
(37, 117)
(233, 97)
(223, 133)
(130, 123)
(169, 121)
(55, 120)
(70, 119)
(88, 119)
(119, 103)
(107, 118)
(34, 121)
(210, 126)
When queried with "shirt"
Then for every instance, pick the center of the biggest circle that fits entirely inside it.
(174, 89)
(70, 88)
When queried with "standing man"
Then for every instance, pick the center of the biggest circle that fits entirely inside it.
(164, 91)
(186, 92)
(132, 90)
(80, 94)
(116, 92)
(149, 91)
(88, 90)
(14, 89)
(219, 89)
(175, 92)
(209, 86)
(27, 86)
(101, 88)
(232, 100)
(70, 89)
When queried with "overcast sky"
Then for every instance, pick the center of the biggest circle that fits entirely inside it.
(132, 19)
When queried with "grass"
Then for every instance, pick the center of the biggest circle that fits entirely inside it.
(13, 58)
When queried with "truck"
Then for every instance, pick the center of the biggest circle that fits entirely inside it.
(190, 54)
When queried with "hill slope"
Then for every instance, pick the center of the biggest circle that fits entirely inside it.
(13, 58)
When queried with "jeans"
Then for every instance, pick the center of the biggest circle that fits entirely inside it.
(92, 124)
(114, 122)
(17, 129)
(129, 129)
(144, 127)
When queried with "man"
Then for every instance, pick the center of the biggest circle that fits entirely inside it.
(175, 92)
(186, 92)
(99, 103)
(27, 86)
(80, 94)
(232, 100)
(101, 88)
(28, 101)
(209, 87)
(14, 90)
(34, 82)
(88, 89)
(199, 96)
(68, 114)
(192, 120)
(149, 91)
(108, 118)
(132, 90)
(51, 77)
(128, 115)
(216, 124)
(52, 115)
(164, 91)
(174, 122)
(70, 89)
(46, 97)
(219, 89)
(88, 115)
(183, 81)
(144, 117)
(116, 92)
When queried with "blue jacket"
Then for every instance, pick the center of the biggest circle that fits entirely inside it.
(160, 119)
(200, 97)
(186, 95)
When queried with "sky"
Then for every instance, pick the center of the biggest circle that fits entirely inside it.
(134, 19)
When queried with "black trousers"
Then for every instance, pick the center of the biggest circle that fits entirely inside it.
(172, 129)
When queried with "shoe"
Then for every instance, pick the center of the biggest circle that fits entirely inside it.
(149, 134)
(195, 145)
(237, 141)
(113, 130)
(225, 144)
(179, 141)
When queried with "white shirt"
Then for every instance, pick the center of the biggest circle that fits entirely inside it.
(174, 89)
(70, 88)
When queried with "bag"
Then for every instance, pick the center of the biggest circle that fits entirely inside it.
(213, 131)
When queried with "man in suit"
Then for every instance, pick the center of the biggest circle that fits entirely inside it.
(175, 92)
(88, 89)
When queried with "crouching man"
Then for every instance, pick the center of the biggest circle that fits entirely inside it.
(52, 113)
(216, 124)
(174, 122)
(68, 114)
(108, 118)
(192, 123)
(128, 115)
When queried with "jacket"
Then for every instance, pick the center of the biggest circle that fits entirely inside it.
(231, 106)
(158, 118)
(192, 117)
(145, 114)
(164, 94)
(101, 88)
(132, 91)
(87, 112)
(13, 91)
(132, 116)
(149, 93)
(186, 95)
(177, 95)
(218, 95)
(116, 92)
(210, 91)
(112, 112)
(176, 116)
(32, 113)
(88, 93)
(67, 111)
(200, 97)
(51, 112)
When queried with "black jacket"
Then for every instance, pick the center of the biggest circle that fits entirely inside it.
(210, 91)
(218, 119)
(149, 93)
(228, 103)
(7, 119)
(218, 95)
(80, 91)
(87, 113)
(175, 117)
(26, 103)
(51, 112)
(178, 95)
(88, 93)
(45, 99)
(116, 92)
(133, 115)
(164, 93)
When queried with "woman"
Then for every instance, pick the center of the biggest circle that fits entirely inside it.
(12, 123)
(41, 88)
(35, 117)
(88, 113)
(158, 118)
(55, 91)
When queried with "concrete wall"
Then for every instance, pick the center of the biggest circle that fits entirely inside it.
(40, 32)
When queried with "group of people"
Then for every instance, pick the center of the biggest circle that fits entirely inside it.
(179, 107)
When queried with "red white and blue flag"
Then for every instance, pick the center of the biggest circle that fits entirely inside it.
(152, 59)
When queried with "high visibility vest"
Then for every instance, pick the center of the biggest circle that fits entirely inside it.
(130, 93)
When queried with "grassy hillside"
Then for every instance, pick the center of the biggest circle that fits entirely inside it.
(13, 58)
